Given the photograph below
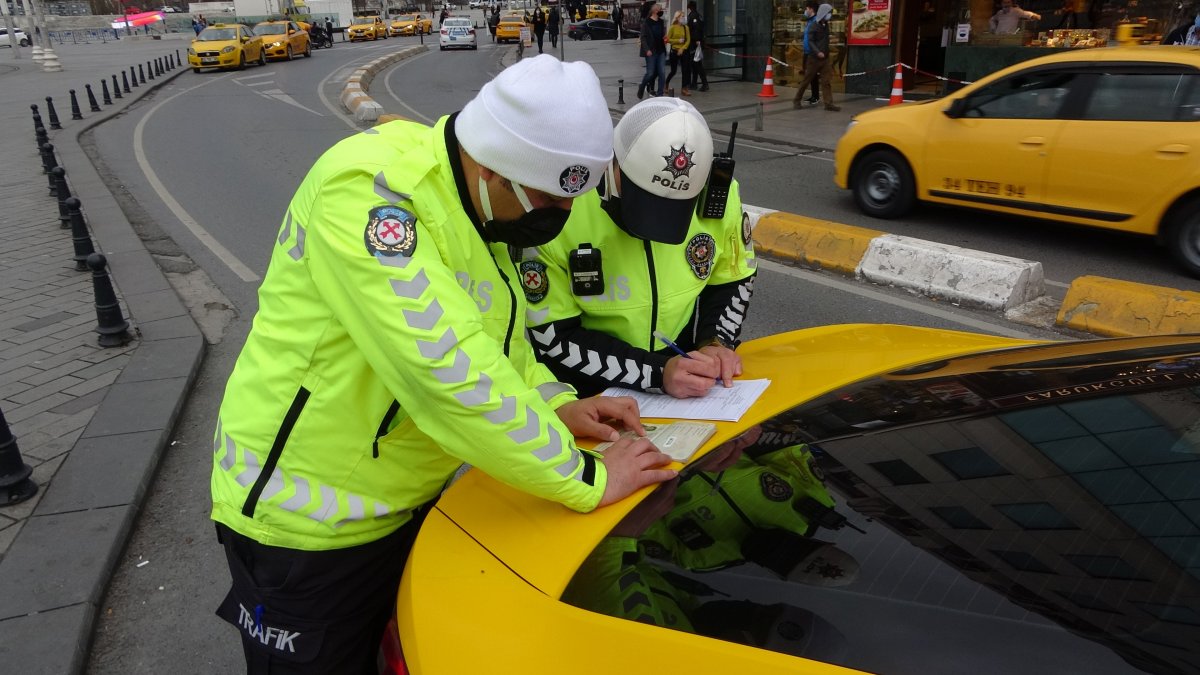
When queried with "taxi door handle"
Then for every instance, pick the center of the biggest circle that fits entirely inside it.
(1033, 140)
(1175, 149)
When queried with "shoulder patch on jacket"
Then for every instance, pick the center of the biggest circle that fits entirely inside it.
(534, 280)
(746, 231)
(391, 231)
(700, 252)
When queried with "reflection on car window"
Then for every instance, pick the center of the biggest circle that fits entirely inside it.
(1023, 96)
(270, 29)
(1040, 519)
(217, 34)
(1144, 97)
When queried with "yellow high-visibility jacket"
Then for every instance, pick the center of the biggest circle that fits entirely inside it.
(389, 348)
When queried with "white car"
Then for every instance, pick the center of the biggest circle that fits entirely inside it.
(22, 38)
(457, 31)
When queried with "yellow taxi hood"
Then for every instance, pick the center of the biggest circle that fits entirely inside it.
(520, 529)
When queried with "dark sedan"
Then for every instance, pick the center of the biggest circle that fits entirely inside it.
(597, 29)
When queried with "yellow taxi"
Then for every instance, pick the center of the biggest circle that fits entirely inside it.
(283, 39)
(597, 12)
(898, 499)
(226, 45)
(1105, 137)
(510, 27)
(409, 24)
(367, 28)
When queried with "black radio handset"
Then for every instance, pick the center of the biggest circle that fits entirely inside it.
(719, 180)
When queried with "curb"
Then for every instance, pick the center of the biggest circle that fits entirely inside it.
(1096, 305)
(355, 98)
(1119, 308)
(55, 574)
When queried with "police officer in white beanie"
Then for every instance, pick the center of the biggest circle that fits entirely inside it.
(389, 348)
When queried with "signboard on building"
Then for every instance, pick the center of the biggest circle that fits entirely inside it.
(870, 22)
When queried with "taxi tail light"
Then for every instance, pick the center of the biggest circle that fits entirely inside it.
(391, 656)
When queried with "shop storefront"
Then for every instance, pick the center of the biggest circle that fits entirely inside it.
(945, 41)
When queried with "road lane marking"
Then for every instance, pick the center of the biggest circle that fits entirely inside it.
(202, 235)
(387, 84)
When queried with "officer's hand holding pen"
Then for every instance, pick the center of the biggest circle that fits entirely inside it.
(690, 375)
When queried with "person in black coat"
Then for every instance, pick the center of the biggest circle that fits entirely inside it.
(552, 25)
(653, 47)
(539, 26)
(695, 24)
(1187, 34)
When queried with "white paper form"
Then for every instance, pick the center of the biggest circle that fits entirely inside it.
(720, 404)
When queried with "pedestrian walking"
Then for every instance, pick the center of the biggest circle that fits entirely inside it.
(373, 370)
(696, 31)
(816, 54)
(678, 41)
(652, 44)
(552, 25)
(539, 26)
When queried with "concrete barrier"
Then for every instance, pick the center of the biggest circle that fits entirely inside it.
(355, 97)
(1119, 308)
(969, 278)
(810, 241)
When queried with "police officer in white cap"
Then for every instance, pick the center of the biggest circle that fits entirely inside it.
(649, 283)
(389, 348)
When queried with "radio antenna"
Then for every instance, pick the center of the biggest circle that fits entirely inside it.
(732, 135)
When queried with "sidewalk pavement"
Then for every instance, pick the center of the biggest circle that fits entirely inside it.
(92, 422)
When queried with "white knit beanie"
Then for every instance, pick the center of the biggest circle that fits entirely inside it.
(542, 123)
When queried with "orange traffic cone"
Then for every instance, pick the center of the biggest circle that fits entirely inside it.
(768, 88)
(897, 87)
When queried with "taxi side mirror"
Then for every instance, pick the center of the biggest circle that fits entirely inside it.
(956, 108)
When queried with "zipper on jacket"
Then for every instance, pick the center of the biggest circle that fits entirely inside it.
(383, 427)
(285, 430)
(512, 301)
(648, 245)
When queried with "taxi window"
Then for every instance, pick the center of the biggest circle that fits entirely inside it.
(1150, 97)
(217, 34)
(1038, 95)
(997, 512)
(270, 29)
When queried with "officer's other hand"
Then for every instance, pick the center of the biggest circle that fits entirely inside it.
(632, 464)
(692, 376)
(586, 417)
(731, 363)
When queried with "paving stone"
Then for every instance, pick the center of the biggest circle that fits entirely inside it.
(14, 413)
(105, 471)
(47, 643)
(93, 384)
(157, 359)
(52, 387)
(138, 406)
(61, 560)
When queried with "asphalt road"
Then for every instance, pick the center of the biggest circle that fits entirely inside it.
(205, 168)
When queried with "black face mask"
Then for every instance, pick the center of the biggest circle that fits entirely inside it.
(535, 227)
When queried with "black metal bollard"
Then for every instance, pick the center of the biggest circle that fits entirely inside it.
(53, 114)
(15, 485)
(110, 324)
(76, 113)
(149, 70)
(104, 92)
(621, 92)
(92, 98)
(133, 76)
(141, 74)
(124, 82)
(158, 66)
(63, 193)
(48, 153)
(116, 88)
(177, 61)
(37, 116)
(39, 135)
(79, 235)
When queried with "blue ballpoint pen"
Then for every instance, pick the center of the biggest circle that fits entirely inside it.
(670, 343)
(676, 348)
